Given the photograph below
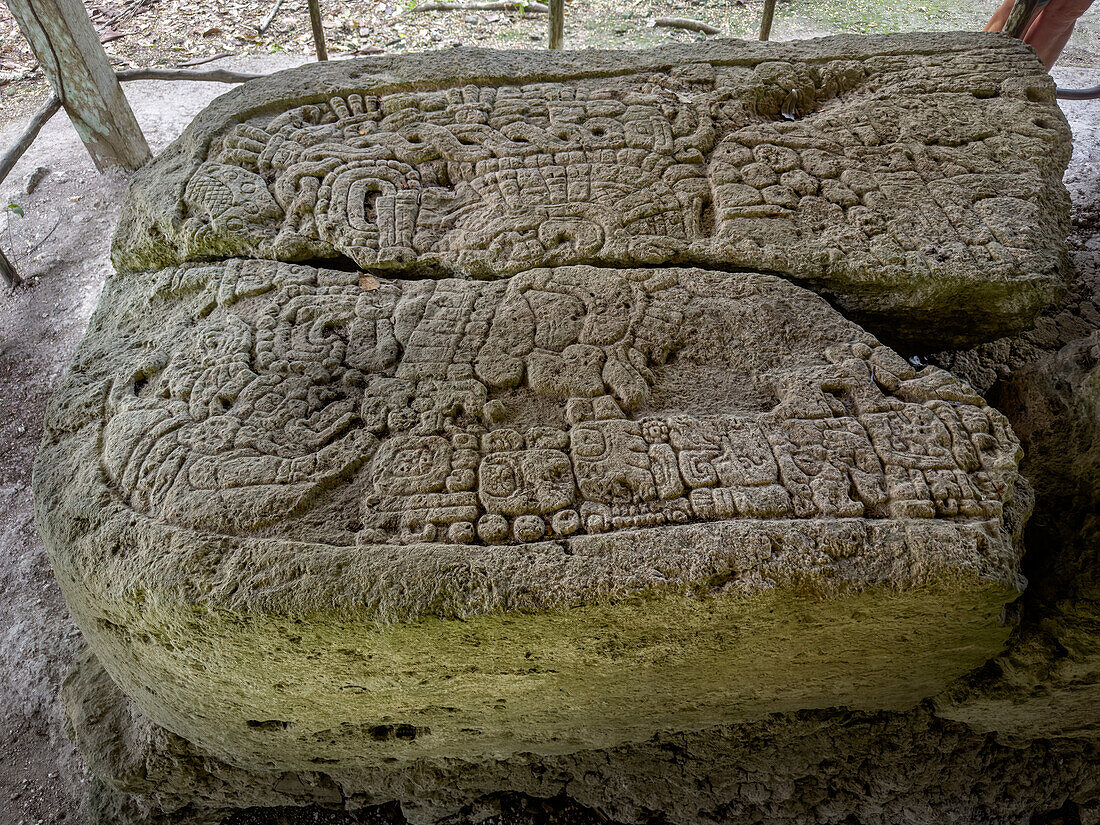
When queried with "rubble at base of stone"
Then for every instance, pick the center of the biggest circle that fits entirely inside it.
(466, 438)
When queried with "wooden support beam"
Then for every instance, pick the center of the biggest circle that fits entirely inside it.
(687, 23)
(8, 273)
(557, 23)
(766, 21)
(23, 142)
(63, 39)
(318, 29)
(533, 7)
(12, 154)
(209, 76)
(1022, 13)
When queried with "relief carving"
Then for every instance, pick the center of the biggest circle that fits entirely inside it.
(430, 386)
(293, 381)
(812, 170)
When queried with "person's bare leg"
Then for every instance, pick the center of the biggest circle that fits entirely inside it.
(1052, 27)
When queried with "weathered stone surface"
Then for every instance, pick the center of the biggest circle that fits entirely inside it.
(1048, 681)
(553, 484)
(916, 178)
(312, 517)
(1046, 382)
(812, 766)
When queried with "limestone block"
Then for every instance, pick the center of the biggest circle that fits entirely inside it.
(917, 178)
(787, 769)
(313, 517)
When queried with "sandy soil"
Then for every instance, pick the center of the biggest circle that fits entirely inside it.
(61, 244)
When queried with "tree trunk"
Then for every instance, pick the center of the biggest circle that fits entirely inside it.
(557, 23)
(63, 39)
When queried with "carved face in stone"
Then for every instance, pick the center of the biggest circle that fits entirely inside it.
(559, 319)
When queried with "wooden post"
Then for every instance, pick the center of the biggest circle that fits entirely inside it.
(1019, 17)
(63, 39)
(8, 273)
(766, 21)
(557, 23)
(318, 30)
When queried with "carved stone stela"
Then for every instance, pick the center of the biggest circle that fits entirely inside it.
(454, 398)
(491, 181)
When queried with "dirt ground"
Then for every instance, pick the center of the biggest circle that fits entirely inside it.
(61, 242)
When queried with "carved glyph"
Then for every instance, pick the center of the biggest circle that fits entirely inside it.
(417, 395)
(923, 187)
(494, 180)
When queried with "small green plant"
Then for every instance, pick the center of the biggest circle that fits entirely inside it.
(16, 210)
